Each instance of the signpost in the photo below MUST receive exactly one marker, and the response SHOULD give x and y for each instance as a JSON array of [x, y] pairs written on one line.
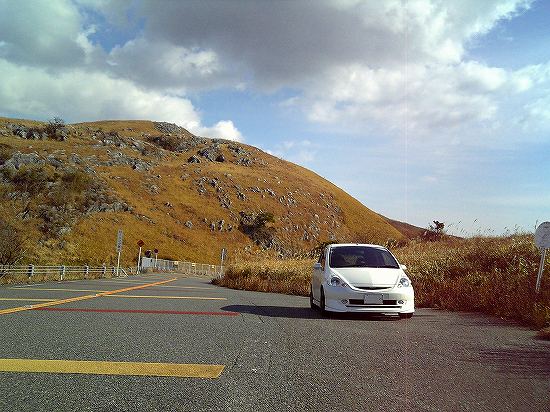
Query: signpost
[[542, 240], [140, 243], [120, 235], [223, 256], [156, 257]]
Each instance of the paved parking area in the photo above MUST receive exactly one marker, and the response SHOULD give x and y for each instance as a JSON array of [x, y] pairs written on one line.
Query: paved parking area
[[171, 343]]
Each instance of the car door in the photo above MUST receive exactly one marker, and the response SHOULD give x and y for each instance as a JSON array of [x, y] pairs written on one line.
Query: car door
[[318, 275]]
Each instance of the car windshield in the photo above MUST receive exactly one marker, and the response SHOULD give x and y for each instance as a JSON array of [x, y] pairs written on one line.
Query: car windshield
[[361, 256]]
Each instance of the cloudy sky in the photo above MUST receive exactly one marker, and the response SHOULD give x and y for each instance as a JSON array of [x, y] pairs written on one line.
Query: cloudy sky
[[421, 109]]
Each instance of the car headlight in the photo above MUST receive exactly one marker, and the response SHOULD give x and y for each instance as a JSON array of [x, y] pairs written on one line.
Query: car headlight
[[336, 281], [404, 283]]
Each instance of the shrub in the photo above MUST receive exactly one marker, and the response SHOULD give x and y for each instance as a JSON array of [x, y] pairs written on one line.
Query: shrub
[[76, 181], [32, 179], [11, 244], [255, 227], [167, 142], [6, 152], [53, 125]]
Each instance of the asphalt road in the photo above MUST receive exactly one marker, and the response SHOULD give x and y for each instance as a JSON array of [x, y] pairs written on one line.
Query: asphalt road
[[274, 353]]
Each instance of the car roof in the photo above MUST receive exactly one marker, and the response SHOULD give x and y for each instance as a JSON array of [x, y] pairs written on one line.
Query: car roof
[[356, 244]]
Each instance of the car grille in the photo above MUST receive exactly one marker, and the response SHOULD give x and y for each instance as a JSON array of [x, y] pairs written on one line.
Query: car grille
[[361, 302], [373, 287]]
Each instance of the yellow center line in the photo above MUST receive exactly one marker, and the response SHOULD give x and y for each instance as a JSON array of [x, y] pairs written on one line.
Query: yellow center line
[[164, 286], [78, 298], [187, 287], [62, 289], [29, 299], [165, 297], [122, 281], [181, 370]]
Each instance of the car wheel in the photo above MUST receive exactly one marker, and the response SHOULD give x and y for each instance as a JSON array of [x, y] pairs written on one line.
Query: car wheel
[[322, 303], [406, 315], [311, 303]]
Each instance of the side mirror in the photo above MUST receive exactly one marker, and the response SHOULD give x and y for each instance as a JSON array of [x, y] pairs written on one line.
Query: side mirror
[[404, 267], [316, 265]]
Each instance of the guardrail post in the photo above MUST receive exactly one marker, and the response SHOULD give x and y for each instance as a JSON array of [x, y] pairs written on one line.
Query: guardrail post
[[86, 271], [103, 270], [113, 272], [30, 271], [62, 272]]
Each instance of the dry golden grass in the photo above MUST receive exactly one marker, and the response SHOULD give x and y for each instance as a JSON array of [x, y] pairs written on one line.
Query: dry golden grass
[[491, 275], [291, 277]]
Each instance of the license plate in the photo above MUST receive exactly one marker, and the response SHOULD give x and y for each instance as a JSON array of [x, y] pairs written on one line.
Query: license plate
[[374, 299]]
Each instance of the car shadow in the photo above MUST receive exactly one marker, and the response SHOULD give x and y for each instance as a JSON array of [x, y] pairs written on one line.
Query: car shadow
[[303, 313]]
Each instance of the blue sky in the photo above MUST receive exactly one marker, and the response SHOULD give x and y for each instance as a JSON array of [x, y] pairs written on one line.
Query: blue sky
[[420, 109]]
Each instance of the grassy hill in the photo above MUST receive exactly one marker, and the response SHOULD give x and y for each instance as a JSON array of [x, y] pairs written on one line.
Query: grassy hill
[[68, 188]]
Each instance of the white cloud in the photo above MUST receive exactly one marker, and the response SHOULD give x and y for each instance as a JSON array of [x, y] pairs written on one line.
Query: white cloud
[[41, 33], [165, 66], [84, 95], [398, 67], [414, 98], [224, 129], [79, 95], [49, 66]]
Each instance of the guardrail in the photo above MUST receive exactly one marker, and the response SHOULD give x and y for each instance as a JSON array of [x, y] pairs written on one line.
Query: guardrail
[[159, 264], [200, 269], [61, 272], [188, 268]]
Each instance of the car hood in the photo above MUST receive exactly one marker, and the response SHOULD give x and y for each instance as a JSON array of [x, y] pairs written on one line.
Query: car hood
[[365, 277]]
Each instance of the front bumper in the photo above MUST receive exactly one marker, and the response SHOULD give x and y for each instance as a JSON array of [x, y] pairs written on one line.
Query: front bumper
[[350, 299]]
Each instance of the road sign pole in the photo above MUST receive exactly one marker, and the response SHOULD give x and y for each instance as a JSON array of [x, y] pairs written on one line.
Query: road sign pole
[[542, 240], [119, 238], [541, 269], [223, 255], [118, 263], [139, 261]]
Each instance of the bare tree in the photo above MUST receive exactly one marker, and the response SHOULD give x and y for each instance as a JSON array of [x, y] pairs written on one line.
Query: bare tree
[[11, 243]]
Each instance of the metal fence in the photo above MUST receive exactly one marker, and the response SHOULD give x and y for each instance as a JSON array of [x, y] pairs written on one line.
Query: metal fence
[[159, 264], [62, 272], [190, 268], [200, 269]]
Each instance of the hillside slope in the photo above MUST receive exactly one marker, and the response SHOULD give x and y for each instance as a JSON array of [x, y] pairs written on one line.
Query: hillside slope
[[68, 188]]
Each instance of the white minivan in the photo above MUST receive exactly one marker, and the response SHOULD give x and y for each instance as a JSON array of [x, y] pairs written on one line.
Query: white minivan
[[361, 278]]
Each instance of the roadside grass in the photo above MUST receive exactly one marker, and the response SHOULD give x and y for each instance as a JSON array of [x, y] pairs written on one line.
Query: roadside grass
[[493, 275], [544, 334], [290, 276]]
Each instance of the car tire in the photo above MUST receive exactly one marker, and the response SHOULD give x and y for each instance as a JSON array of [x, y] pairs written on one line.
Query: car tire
[[311, 302], [406, 315], [322, 305]]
